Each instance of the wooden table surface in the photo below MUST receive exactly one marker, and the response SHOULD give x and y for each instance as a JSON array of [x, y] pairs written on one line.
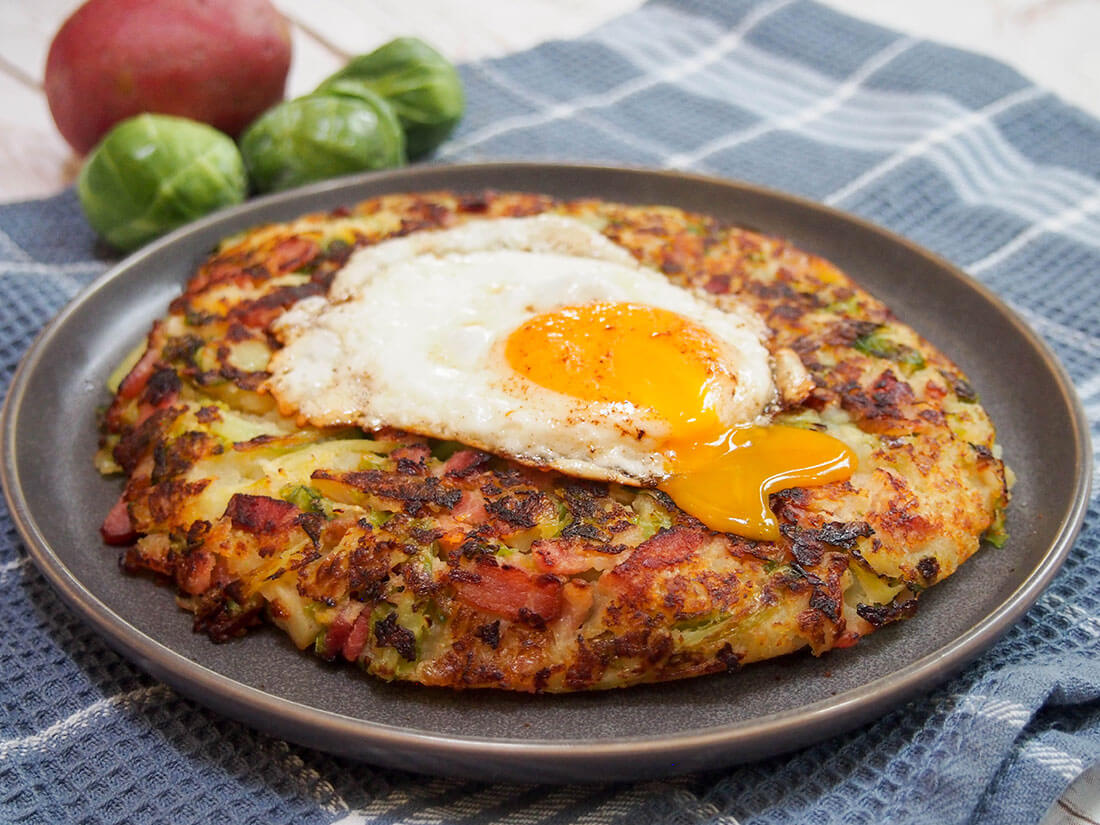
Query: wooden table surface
[[1053, 41]]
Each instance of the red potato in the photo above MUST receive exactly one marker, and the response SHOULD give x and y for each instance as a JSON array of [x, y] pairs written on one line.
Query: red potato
[[222, 62]]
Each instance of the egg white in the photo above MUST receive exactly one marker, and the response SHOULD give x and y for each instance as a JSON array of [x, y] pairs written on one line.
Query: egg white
[[412, 332]]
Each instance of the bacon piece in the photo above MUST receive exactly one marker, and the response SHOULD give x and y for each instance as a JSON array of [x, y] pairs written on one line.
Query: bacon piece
[[512, 593], [411, 459], [195, 572], [260, 312], [131, 387], [218, 272], [668, 547], [117, 528], [139, 375], [159, 394], [470, 509], [143, 414], [162, 388], [337, 635], [357, 637], [134, 449], [291, 254], [413, 452], [846, 639], [464, 463], [260, 514], [564, 556]]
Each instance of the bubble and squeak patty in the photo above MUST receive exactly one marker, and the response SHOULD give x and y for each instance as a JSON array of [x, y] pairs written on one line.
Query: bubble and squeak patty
[[499, 440]]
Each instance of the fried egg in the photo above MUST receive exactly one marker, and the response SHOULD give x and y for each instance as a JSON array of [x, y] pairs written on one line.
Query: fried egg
[[541, 340]]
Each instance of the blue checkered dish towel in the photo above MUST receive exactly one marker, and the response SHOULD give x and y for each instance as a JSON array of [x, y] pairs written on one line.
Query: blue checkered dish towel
[[953, 150]]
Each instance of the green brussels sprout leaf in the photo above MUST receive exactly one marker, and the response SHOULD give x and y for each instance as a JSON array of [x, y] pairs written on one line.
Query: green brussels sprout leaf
[[879, 345], [421, 84], [153, 173], [316, 137]]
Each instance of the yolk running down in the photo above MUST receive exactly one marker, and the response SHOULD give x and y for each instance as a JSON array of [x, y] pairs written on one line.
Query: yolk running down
[[656, 359]]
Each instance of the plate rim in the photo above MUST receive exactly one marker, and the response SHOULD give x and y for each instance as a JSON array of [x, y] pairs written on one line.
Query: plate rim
[[813, 721]]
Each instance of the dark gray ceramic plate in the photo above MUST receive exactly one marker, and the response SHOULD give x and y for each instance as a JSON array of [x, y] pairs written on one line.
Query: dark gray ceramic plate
[[49, 436]]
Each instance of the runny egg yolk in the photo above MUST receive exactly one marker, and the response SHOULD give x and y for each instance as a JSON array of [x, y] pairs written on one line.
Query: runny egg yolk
[[656, 359]]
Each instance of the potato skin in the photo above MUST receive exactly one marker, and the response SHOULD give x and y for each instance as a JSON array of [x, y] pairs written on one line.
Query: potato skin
[[222, 62]]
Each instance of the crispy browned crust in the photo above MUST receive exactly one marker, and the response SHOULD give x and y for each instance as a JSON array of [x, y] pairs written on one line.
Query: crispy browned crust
[[443, 565]]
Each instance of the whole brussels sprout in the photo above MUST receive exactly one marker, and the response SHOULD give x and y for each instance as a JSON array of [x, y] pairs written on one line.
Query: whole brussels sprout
[[316, 137], [420, 83], [152, 173]]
